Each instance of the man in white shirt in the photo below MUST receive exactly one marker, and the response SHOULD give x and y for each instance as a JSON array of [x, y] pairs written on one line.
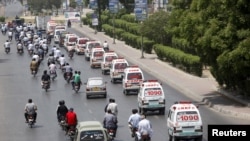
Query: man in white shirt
[[36, 57], [62, 60], [145, 127], [113, 107], [57, 53], [52, 69]]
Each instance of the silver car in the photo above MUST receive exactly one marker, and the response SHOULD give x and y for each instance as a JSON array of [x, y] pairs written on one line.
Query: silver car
[[96, 86]]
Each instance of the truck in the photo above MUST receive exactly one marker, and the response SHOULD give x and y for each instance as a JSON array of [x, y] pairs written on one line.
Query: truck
[[41, 23]]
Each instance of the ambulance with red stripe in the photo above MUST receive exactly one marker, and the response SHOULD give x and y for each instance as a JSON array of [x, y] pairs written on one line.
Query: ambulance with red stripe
[[106, 61], [132, 78], [151, 97], [117, 69], [96, 57], [184, 122]]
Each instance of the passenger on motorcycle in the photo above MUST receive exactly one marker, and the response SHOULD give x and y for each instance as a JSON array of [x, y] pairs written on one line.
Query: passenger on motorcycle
[[33, 65], [76, 80], [36, 57], [50, 59], [61, 111], [110, 121], [7, 44], [71, 119], [68, 70], [52, 69], [145, 128], [45, 78], [133, 121], [30, 108]]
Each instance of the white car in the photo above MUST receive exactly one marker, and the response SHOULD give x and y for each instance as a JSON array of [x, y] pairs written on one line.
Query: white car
[[106, 61], [96, 57], [81, 45], [89, 46]]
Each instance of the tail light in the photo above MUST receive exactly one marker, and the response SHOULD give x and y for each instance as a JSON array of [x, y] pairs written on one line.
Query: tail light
[[162, 101], [144, 101], [200, 129], [87, 89]]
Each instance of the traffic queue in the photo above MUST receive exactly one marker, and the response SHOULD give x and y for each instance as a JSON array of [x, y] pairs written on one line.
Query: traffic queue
[[183, 119]]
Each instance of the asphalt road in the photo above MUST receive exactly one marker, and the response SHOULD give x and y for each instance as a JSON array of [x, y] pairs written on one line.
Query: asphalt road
[[17, 85]]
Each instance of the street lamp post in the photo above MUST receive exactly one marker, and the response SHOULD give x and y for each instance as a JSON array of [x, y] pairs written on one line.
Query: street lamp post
[[142, 50], [113, 20]]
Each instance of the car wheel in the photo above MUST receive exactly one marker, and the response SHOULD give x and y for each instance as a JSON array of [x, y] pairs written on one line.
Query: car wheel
[[105, 95], [199, 138], [87, 96], [162, 111]]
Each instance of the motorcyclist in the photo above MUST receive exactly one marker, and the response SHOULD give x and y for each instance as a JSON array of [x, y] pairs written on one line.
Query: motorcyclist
[[7, 45], [50, 59], [62, 61], [77, 80], [33, 66], [10, 35], [133, 121], [53, 49], [69, 23], [71, 119], [68, 70], [61, 111], [106, 46], [57, 53], [36, 57], [110, 121], [4, 29], [52, 69], [30, 47], [41, 53], [145, 128], [45, 47], [30, 108], [19, 46], [45, 78], [113, 107]]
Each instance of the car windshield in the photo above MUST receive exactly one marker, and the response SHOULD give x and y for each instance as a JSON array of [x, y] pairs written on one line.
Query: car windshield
[[93, 135], [98, 53], [120, 65], [136, 75], [110, 58], [91, 45], [187, 116], [95, 82], [82, 41], [72, 39]]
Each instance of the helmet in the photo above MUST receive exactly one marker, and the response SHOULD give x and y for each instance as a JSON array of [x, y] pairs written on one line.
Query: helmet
[[61, 102]]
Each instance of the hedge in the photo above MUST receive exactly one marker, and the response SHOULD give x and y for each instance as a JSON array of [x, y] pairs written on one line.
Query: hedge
[[191, 63]]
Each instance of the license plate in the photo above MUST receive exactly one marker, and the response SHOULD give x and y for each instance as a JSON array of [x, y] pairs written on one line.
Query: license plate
[[153, 103], [96, 89]]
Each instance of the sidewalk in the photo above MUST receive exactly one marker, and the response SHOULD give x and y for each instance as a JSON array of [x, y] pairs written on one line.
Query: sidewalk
[[204, 90]]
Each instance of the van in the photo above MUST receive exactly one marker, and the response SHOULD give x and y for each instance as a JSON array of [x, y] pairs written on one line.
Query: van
[[96, 57], [151, 97], [51, 27], [117, 69], [81, 45], [89, 46], [57, 34], [184, 122], [132, 78], [106, 61], [70, 42]]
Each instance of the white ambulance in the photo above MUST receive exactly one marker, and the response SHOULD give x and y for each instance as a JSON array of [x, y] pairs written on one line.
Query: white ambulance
[[106, 61], [132, 78], [117, 69], [151, 97], [184, 122], [96, 57]]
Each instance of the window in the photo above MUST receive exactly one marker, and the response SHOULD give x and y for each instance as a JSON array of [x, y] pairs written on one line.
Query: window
[[120, 65], [95, 82], [187, 116], [72, 39], [132, 76], [82, 41], [110, 58], [92, 135], [98, 53]]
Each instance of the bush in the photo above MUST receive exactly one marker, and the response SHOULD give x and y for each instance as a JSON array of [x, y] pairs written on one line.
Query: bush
[[2, 19]]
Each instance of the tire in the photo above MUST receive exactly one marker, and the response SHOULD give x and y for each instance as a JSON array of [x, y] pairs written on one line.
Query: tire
[[162, 111], [170, 138], [199, 138], [105, 95], [87, 96]]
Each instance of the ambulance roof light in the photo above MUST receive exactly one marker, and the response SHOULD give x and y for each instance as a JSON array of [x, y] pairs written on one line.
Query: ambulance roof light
[[183, 102]]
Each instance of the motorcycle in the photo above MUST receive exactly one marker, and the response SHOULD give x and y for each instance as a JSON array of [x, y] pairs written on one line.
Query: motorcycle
[[63, 123], [111, 133], [144, 137], [53, 75], [20, 50], [7, 50], [46, 85], [31, 52], [71, 132], [71, 54], [34, 72], [76, 87], [68, 77], [133, 130], [31, 120]]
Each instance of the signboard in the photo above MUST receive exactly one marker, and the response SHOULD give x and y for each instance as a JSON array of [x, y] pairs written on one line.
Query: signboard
[[113, 6], [79, 2], [72, 16], [141, 10], [94, 19], [93, 4]]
